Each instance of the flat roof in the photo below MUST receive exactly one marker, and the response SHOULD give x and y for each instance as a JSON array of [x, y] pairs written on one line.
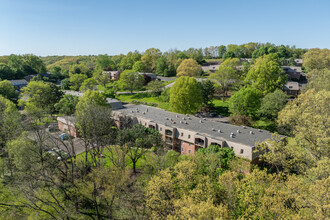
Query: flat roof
[[193, 124]]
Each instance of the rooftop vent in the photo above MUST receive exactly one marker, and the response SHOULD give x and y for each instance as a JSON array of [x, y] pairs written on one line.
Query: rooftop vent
[[219, 131], [251, 132], [183, 118], [189, 118], [259, 130], [238, 131], [177, 116], [171, 119], [180, 122], [186, 123], [132, 111], [244, 127], [166, 118], [204, 119], [144, 113], [232, 135], [147, 110], [200, 121], [213, 129]]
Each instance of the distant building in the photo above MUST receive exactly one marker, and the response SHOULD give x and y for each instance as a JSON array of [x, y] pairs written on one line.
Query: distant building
[[18, 84], [67, 124], [210, 68], [294, 73]]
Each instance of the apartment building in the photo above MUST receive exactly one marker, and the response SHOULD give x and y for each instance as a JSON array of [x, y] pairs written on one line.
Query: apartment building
[[187, 133]]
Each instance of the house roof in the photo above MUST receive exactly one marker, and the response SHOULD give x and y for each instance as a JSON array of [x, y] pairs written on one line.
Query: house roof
[[210, 67], [207, 128], [291, 86], [18, 82]]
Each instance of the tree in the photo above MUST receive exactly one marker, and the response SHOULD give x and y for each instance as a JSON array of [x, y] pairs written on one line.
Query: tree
[[316, 59], [39, 97], [225, 78], [138, 66], [273, 103], [266, 74], [222, 50], [9, 121], [319, 79], [131, 80], [186, 95], [95, 124], [76, 81], [138, 140], [103, 62], [8, 91], [189, 67], [101, 77], [67, 105], [65, 84], [307, 118], [161, 66], [245, 102], [6, 72], [231, 62], [149, 59], [88, 84], [155, 87], [208, 91]]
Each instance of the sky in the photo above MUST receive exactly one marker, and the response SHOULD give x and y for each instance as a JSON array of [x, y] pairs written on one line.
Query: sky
[[91, 27]]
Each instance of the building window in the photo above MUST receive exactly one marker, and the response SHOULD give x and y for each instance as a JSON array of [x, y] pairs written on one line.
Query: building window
[[145, 124], [232, 147], [181, 134], [189, 144], [182, 142], [189, 151], [160, 129], [189, 136], [182, 149], [242, 151]]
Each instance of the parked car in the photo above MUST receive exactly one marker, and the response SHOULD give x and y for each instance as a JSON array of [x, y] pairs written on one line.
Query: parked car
[[65, 136]]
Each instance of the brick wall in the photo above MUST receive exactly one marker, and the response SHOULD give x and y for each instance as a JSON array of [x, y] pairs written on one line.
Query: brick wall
[[188, 148]]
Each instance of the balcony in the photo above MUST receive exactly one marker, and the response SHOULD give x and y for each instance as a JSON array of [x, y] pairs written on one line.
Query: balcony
[[168, 133], [168, 140]]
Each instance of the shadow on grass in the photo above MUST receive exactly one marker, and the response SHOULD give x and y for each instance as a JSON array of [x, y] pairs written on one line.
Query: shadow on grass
[[222, 110]]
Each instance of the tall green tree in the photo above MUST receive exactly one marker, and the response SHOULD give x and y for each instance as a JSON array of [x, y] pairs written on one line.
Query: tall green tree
[[131, 80], [208, 91], [189, 67], [67, 104], [88, 84], [245, 102], [316, 59], [39, 97], [186, 95], [7, 90], [272, 104], [76, 80], [149, 59], [266, 74]]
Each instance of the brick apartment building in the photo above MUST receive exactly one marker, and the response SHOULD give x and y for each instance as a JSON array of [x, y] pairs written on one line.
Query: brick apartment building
[[186, 134]]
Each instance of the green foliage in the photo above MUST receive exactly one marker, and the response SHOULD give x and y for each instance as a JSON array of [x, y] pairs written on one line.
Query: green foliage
[[185, 95], [245, 102], [67, 105], [266, 74], [65, 84], [155, 87], [317, 59], [208, 91], [88, 84], [149, 59], [76, 81], [319, 79], [131, 80], [9, 121], [138, 66], [39, 97], [7, 90], [273, 103], [189, 67]]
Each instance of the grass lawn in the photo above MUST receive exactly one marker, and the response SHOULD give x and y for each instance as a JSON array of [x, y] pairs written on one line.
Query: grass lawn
[[221, 107], [143, 97]]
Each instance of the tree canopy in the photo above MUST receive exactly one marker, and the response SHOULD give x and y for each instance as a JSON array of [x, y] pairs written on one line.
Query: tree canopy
[[189, 67], [185, 95]]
